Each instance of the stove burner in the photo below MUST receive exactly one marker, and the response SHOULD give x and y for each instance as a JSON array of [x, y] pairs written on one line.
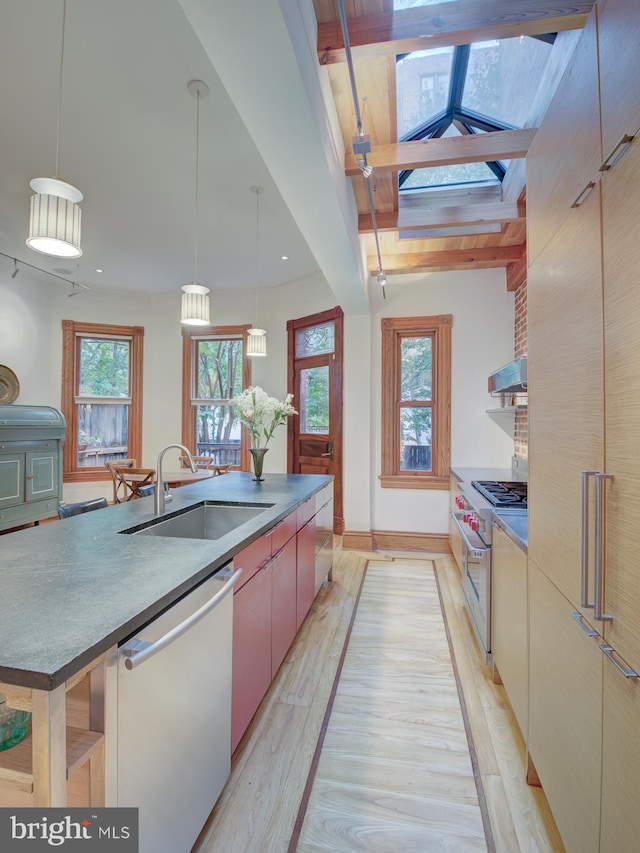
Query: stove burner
[[502, 494]]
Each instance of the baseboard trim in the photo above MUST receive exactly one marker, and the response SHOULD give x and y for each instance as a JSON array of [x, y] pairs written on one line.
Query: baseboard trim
[[363, 540], [356, 540], [399, 540]]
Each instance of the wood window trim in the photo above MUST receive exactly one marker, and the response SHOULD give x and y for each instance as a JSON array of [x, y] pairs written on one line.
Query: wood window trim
[[70, 330], [189, 411], [392, 328]]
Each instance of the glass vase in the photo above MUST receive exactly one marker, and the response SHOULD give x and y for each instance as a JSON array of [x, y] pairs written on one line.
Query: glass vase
[[258, 461]]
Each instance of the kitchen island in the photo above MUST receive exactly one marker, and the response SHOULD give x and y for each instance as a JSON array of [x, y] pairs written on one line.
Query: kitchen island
[[74, 590]]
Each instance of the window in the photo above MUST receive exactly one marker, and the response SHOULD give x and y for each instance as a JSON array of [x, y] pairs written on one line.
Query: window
[[416, 402], [215, 370], [101, 397]]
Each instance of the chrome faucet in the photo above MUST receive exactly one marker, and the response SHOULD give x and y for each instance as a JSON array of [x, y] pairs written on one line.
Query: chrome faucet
[[159, 496]]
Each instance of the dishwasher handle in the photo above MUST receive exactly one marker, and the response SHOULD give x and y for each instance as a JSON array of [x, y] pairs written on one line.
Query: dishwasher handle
[[138, 651]]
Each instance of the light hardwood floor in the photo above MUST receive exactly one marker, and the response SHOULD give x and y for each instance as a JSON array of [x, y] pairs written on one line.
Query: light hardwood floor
[[258, 811]]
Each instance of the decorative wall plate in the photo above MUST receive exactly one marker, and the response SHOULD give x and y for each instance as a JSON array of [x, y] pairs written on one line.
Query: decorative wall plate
[[9, 385]]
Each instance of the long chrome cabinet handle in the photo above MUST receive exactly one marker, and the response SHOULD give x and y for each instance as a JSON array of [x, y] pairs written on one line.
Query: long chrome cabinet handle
[[589, 631], [584, 557], [624, 142], [583, 194], [137, 652], [598, 568], [609, 653]]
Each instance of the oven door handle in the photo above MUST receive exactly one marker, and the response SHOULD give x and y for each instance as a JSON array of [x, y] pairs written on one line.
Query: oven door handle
[[470, 547]]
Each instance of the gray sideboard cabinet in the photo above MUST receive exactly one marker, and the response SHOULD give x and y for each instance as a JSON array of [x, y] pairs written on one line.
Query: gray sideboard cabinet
[[31, 439]]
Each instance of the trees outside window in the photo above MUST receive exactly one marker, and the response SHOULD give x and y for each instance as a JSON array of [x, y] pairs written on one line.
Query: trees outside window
[[416, 395], [101, 397], [215, 369]]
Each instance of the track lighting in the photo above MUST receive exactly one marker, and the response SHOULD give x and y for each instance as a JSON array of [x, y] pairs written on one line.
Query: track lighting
[[16, 269], [381, 279], [365, 168]]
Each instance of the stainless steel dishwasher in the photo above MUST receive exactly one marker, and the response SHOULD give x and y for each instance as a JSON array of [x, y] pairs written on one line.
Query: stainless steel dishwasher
[[174, 716]]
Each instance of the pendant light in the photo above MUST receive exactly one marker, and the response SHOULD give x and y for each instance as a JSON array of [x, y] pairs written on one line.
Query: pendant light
[[195, 296], [257, 341], [54, 219]]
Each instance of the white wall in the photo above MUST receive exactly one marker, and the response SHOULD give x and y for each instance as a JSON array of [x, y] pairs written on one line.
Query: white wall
[[482, 340]]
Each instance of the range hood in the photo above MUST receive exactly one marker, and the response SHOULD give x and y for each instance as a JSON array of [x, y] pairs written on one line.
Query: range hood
[[510, 379]]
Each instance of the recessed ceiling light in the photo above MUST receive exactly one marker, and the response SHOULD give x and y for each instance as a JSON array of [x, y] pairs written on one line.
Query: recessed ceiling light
[[99, 270], [284, 257]]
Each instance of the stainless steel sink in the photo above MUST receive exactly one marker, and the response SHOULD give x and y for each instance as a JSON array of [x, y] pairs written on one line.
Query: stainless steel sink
[[205, 521]]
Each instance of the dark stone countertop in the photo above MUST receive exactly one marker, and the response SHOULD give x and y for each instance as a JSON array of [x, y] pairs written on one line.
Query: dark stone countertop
[[74, 588]]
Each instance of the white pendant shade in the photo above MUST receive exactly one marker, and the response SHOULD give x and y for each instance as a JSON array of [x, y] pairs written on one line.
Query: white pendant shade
[[55, 218], [195, 305], [256, 342]]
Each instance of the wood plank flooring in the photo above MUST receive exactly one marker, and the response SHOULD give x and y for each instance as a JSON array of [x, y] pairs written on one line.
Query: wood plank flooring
[[257, 810], [395, 771]]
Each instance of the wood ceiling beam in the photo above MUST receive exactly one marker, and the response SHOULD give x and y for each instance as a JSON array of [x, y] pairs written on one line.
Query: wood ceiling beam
[[414, 219], [445, 151], [444, 24], [412, 262]]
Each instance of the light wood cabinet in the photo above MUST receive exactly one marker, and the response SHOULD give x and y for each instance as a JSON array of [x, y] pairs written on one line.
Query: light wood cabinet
[[584, 364], [565, 154], [565, 718], [455, 540], [510, 623], [566, 415]]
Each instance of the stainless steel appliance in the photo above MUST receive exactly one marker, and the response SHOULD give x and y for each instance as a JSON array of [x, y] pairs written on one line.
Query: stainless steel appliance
[[472, 520], [174, 715]]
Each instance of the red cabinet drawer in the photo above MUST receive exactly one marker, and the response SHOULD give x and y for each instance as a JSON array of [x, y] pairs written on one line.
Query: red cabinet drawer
[[251, 558], [283, 531], [306, 511]]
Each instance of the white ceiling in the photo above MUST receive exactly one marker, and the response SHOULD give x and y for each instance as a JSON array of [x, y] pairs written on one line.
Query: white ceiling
[[127, 141]]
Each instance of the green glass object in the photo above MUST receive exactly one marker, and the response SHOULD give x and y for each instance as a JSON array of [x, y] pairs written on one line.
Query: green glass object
[[14, 725], [258, 461]]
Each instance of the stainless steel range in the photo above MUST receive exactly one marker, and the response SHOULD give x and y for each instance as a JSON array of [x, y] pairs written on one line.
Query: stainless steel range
[[476, 503]]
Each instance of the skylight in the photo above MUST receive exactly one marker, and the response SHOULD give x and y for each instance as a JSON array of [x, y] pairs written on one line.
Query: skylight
[[477, 88]]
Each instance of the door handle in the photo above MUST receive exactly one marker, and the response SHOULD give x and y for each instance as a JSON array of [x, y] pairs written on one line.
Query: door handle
[[598, 568], [329, 449], [584, 586], [138, 651]]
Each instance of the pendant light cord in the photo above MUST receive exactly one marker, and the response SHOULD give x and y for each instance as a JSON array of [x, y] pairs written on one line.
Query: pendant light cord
[[195, 235], [257, 250], [64, 22]]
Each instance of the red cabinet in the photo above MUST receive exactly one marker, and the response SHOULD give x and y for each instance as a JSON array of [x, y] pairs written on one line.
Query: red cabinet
[[271, 600], [305, 570], [251, 668], [283, 603]]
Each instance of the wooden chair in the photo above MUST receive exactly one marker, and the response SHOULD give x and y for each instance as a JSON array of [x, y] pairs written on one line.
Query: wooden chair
[[223, 469], [129, 480], [119, 463], [202, 462]]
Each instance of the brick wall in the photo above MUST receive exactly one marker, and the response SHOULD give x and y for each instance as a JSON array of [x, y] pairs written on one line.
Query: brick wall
[[521, 433]]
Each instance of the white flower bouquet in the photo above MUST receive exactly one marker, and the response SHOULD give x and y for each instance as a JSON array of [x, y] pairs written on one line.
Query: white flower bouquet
[[261, 414]]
